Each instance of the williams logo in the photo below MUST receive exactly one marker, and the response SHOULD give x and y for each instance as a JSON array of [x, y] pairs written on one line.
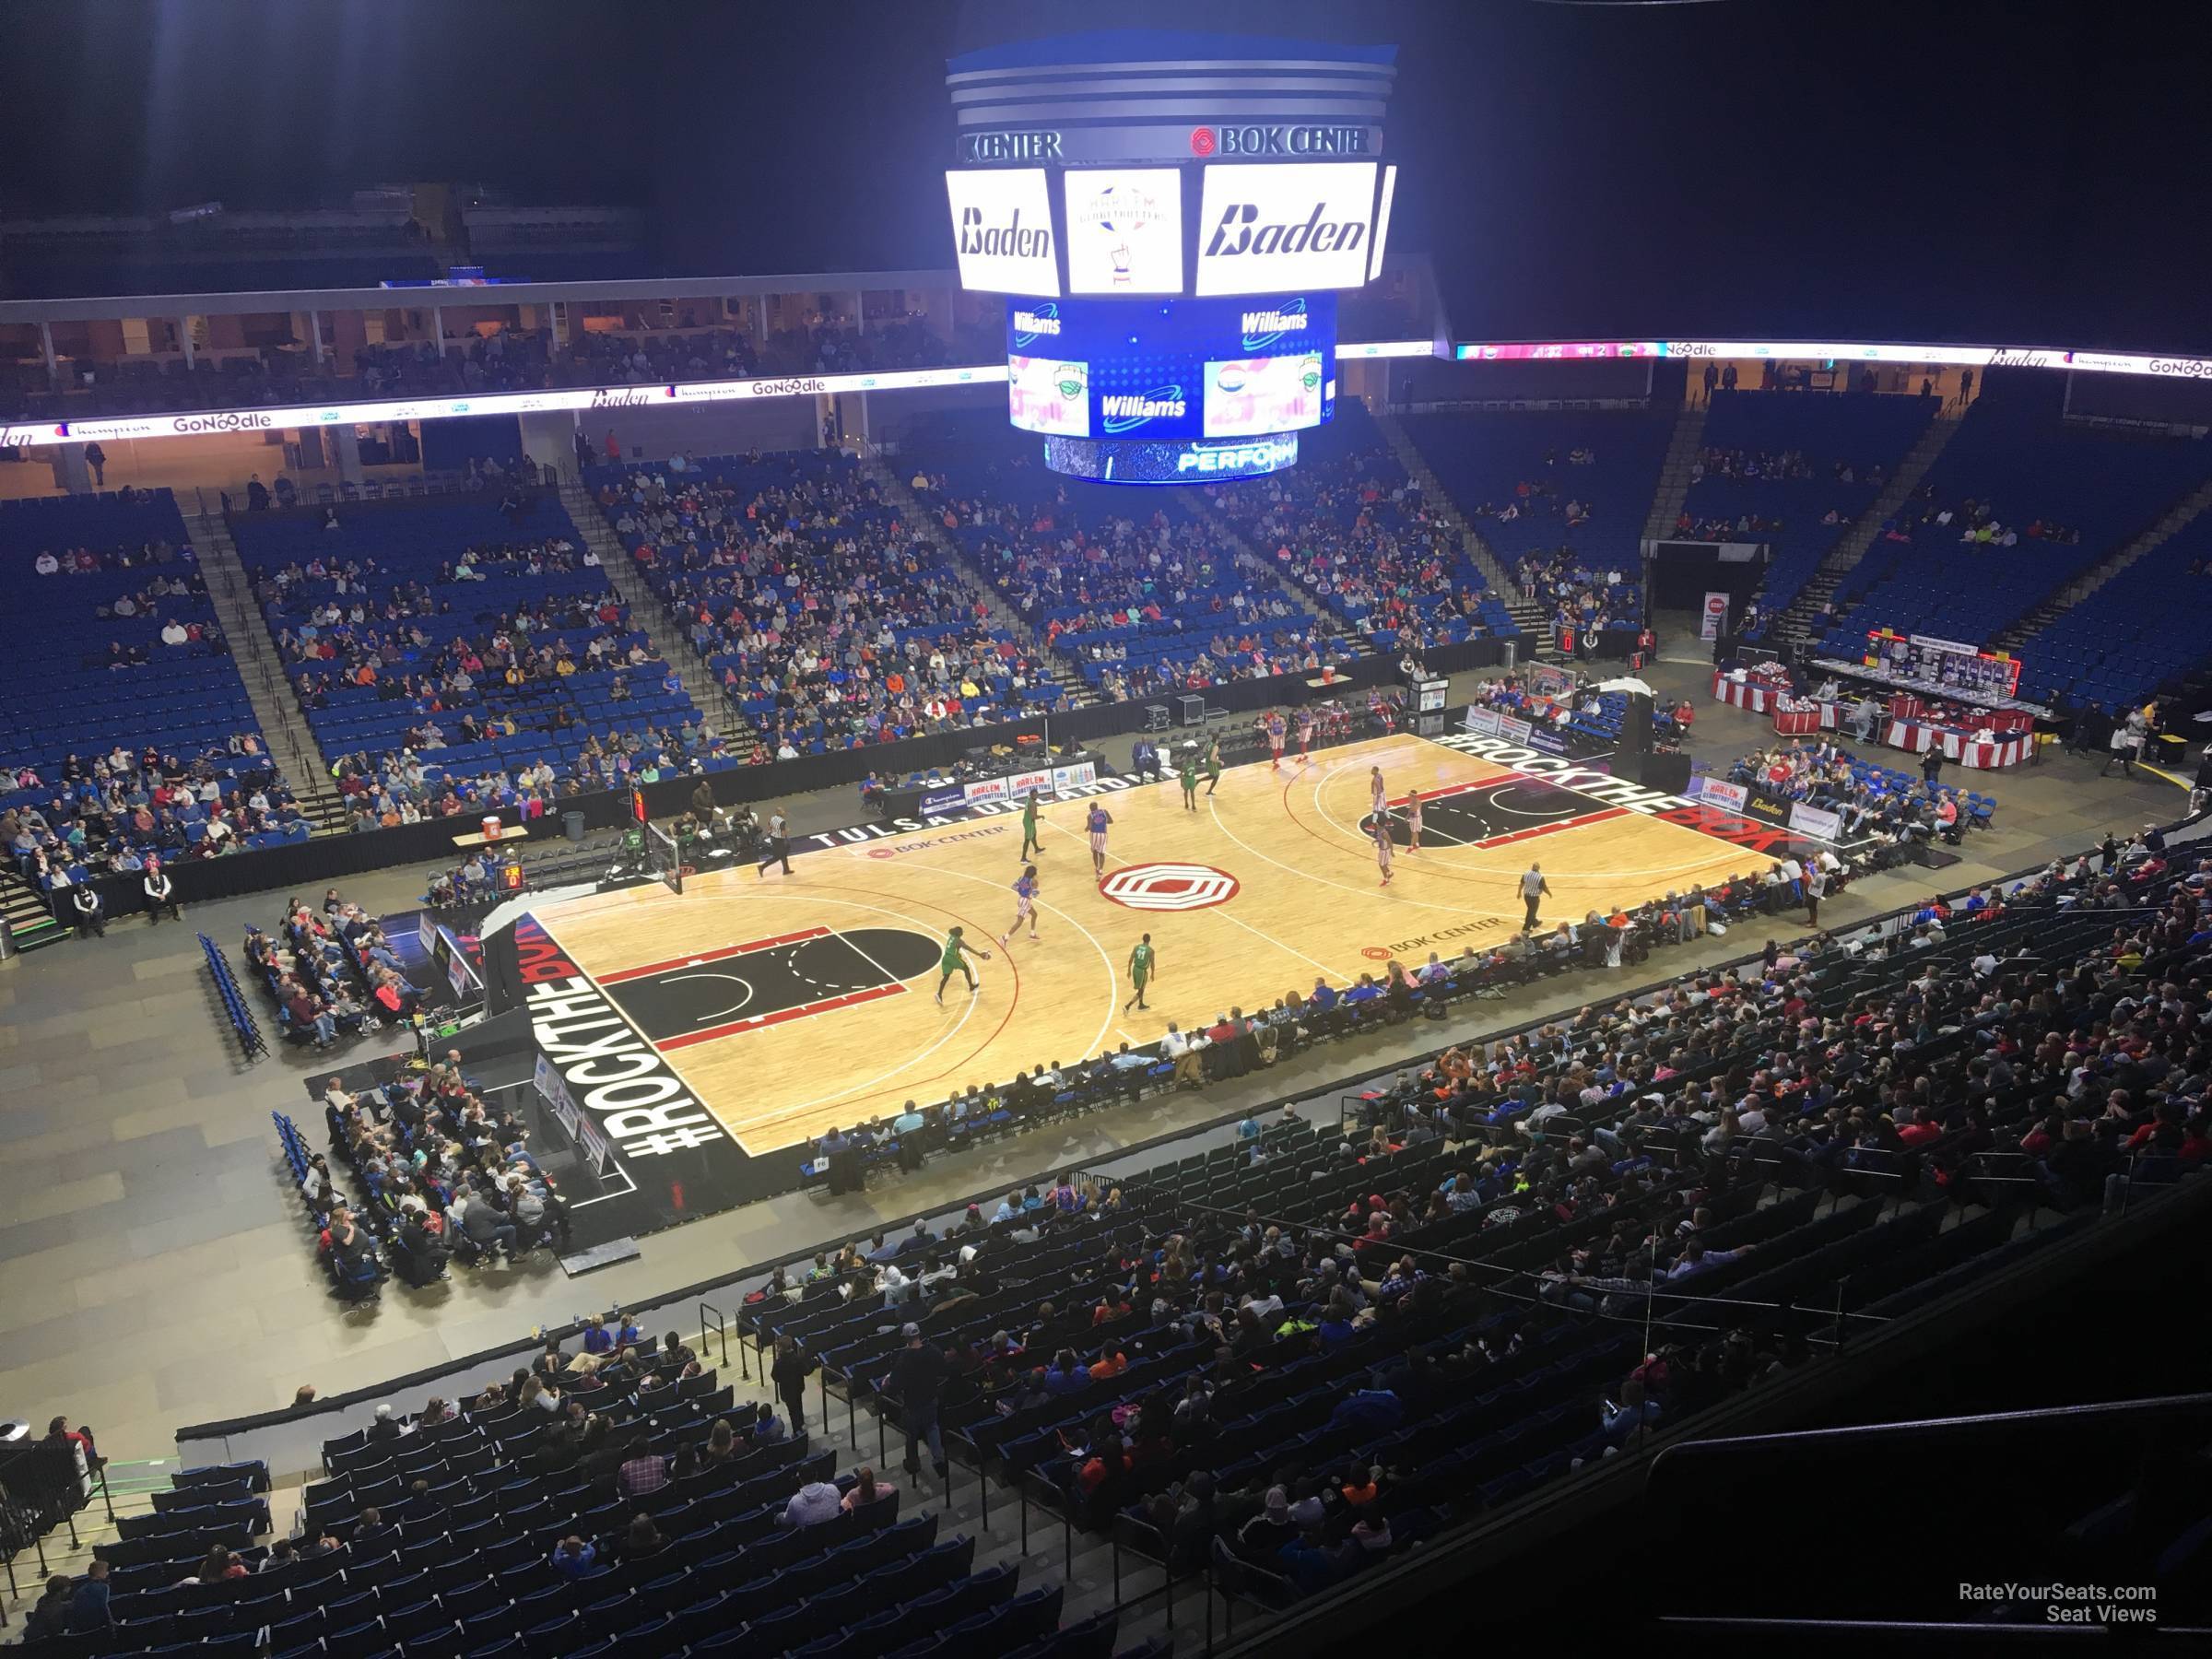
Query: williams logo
[[1009, 241], [1029, 326], [1123, 413], [1263, 328]]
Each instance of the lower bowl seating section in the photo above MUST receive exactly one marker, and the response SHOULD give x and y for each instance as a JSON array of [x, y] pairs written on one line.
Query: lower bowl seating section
[[659, 1519], [124, 716], [1125, 584], [2149, 624], [1515, 477], [461, 655], [1774, 470], [828, 621], [1351, 529], [2019, 503], [1871, 798], [1525, 1256]]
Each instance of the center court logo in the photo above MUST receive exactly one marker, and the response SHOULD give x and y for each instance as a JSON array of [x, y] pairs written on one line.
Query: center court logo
[[1169, 887]]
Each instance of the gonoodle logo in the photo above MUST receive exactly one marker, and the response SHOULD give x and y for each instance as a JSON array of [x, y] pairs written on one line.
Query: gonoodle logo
[[1126, 412], [1263, 328], [1031, 325], [220, 423]]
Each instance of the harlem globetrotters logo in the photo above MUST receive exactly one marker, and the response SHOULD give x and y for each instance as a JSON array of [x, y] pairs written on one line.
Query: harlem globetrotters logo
[[1127, 212]]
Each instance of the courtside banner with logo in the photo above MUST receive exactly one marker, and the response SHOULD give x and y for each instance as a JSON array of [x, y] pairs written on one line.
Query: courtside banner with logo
[[1816, 821], [1720, 792], [1714, 618], [1002, 231], [1513, 727], [1265, 228], [1125, 231], [1484, 721]]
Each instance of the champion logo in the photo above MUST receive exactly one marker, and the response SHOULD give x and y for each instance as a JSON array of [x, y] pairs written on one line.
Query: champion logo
[[1169, 887]]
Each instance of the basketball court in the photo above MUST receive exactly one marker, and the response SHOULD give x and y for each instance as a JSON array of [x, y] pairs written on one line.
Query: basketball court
[[788, 1003]]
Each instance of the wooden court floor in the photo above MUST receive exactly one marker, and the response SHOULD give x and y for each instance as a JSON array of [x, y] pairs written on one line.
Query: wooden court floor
[[793, 1002]]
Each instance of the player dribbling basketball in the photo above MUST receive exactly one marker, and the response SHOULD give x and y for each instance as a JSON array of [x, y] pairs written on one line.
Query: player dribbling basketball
[[955, 960]]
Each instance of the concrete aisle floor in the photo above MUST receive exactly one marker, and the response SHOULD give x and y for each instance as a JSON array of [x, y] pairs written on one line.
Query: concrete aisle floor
[[157, 1271]]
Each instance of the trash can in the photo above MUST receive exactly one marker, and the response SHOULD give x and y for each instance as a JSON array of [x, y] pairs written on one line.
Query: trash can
[[571, 825], [1512, 654]]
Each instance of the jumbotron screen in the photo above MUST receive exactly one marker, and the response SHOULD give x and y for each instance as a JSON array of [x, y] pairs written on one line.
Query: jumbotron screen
[[1171, 368]]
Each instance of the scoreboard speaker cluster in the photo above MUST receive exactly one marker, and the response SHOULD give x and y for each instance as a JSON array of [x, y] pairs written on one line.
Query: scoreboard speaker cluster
[[1170, 218]]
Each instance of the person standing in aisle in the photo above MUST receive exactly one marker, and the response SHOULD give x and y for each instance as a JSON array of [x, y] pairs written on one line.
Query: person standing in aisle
[[788, 1374]]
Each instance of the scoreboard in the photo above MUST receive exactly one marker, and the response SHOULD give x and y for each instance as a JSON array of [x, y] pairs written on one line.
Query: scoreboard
[[1170, 267]]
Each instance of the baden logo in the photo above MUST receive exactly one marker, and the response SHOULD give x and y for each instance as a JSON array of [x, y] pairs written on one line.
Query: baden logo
[[1124, 413], [1029, 325], [1240, 234], [1009, 241], [220, 423], [629, 397], [1263, 328]]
